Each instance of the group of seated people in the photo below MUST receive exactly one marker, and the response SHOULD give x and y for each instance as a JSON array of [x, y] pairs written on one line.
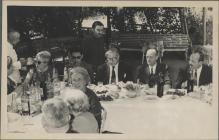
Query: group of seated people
[[114, 70], [82, 100], [78, 109], [69, 113]]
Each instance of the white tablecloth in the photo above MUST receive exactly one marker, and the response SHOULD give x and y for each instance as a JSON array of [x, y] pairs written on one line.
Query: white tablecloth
[[183, 117], [186, 117]]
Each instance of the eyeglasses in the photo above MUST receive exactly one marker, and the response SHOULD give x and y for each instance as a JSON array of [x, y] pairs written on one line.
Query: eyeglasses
[[112, 59], [76, 57], [39, 62]]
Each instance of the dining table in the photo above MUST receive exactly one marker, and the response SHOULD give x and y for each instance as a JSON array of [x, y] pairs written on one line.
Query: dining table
[[170, 116], [161, 118]]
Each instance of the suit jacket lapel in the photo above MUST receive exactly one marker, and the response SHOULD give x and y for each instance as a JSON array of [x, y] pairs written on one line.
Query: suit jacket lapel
[[201, 76], [120, 70], [107, 70], [147, 71], [157, 69]]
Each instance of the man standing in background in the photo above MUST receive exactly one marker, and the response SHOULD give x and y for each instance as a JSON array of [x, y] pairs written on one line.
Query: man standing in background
[[94, 45]]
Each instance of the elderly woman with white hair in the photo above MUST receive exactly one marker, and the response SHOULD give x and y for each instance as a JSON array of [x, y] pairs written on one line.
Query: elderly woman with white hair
[[43, 74], [82, 121], [79, 78], [56, 116]]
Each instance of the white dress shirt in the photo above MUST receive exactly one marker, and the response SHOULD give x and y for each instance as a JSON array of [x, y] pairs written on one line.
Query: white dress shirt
[[12, 53], [15, 75], [153, 67], [198, 74], [116, 72]]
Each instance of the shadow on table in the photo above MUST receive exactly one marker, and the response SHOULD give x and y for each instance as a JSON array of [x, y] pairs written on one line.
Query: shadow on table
[[110, 132]]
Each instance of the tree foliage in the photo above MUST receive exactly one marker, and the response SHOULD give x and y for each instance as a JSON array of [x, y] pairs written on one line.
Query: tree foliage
[[50, 22]]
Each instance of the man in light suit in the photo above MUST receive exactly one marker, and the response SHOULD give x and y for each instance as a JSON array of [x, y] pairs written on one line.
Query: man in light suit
[[201, 73], [113, 71], [13, 39], [149, 72]]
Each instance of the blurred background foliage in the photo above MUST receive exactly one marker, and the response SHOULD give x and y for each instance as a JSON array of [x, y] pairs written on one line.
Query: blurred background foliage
[[53, 22]]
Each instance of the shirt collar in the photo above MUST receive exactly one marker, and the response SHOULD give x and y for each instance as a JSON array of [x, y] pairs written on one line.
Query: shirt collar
[[199, 69], [154, 66], [116, 66]]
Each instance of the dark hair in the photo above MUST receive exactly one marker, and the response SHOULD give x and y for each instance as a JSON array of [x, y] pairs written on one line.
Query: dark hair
[[75, 49], [200, 52], [97, 23], [152, 46]]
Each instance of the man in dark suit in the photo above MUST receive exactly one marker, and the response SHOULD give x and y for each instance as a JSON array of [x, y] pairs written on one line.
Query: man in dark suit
[[200, 73], [76, 56], [94, 45], [150, 72], [113, 71]]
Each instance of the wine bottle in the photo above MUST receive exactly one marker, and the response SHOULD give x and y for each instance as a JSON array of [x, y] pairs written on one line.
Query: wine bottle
[[190, 84], [49, 87], [160, 85], [25, 102]]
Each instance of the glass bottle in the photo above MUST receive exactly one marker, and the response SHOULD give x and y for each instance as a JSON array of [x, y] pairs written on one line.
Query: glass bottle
[[160, 85], [49, 87], [25, 102], [190, 85]]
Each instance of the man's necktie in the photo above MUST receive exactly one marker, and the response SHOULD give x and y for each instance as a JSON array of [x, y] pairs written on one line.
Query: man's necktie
[[151, 79], [195, 78], [152, 71], [113, 78]]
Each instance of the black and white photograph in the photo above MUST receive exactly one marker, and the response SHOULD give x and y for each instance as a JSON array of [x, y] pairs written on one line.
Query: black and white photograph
[[118, 70]]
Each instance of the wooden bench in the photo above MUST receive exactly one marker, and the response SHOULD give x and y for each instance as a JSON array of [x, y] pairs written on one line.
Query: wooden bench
[[166, 42]]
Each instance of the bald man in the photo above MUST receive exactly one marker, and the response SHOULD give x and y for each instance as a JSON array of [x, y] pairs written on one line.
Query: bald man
[[13, 39], [148, 72]]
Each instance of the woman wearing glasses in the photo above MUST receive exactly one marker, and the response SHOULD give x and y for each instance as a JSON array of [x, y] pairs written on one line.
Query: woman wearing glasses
[[42, 74]]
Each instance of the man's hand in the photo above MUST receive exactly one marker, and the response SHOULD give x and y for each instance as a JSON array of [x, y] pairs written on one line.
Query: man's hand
[[19, 90], [184, 84], [23, 62], [166, 87], [9, 61]]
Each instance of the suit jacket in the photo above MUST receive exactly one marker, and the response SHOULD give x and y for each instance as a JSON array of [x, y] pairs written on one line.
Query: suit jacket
[[95, 106], [124, 73], [204, 79], [143, 73], [93, 50]]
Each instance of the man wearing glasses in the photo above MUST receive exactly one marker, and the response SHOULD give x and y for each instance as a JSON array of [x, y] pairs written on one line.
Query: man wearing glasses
[[76, 56], [113, 71]]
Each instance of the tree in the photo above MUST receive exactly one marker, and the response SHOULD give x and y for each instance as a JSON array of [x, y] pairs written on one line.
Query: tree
[[44, 22], [195, 25]]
